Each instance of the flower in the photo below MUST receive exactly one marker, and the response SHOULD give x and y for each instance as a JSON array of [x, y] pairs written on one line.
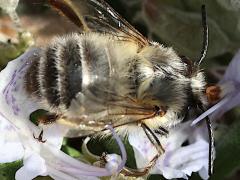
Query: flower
[[17, 141], [179, 160], [230, 91]]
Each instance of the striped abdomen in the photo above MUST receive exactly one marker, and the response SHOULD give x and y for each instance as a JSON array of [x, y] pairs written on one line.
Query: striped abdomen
[[73, 64], [56, 77]]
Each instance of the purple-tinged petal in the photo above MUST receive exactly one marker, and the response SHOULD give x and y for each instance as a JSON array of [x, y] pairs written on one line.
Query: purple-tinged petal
[[203, 173], [70, 166], [113, 162], [230, 87], [187, 154], [9, 142], [144, 151], [234, 101], [232, 73], [211, 110], [15, 103], [177, 136], [168, 172], [121, 146], [183, 161], [59, 175]]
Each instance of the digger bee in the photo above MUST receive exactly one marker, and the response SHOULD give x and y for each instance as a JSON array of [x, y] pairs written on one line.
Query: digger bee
[[108, 73]]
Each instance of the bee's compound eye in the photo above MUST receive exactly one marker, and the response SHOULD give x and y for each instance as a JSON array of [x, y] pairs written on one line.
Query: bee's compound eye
[[160, 110], [189, 64]]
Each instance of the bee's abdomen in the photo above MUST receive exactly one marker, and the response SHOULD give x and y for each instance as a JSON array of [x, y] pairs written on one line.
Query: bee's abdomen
[[56, 77]]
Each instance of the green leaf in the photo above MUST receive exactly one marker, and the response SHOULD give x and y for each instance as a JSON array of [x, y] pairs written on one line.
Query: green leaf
[[155, 177], [71, 151], [43, 178], [8, 170], [74, 153], [180, 26]]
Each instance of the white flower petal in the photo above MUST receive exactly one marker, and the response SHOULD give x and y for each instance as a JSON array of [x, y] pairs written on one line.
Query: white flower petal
[[177, 136], [144, 151], [53, 134], [34, 165], [11, 151], [203, 173]]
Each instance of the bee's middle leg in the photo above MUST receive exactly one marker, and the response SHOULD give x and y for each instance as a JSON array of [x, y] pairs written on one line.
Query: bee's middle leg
[[156, 143]]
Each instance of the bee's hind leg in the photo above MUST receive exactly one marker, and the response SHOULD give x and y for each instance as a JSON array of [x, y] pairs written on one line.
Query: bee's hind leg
[[155, 141], [40, 137], [42, 117]]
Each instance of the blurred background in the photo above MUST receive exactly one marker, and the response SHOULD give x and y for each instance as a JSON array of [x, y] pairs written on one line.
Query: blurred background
[[172, 23]]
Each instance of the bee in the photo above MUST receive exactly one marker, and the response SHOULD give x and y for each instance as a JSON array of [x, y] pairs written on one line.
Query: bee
[[109, 73]]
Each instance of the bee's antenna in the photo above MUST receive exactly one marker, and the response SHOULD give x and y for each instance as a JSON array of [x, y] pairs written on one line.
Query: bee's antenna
[[205, 36]]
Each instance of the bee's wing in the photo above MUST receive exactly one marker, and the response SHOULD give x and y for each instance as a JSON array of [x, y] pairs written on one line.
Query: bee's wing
[[77, 130], [118, 113], [98, 16]]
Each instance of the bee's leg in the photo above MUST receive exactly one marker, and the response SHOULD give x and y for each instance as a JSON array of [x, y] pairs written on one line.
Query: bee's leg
[[140, 172], [153, 138], [155, 141], [162, 131], [40, 137], [47, 118]]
